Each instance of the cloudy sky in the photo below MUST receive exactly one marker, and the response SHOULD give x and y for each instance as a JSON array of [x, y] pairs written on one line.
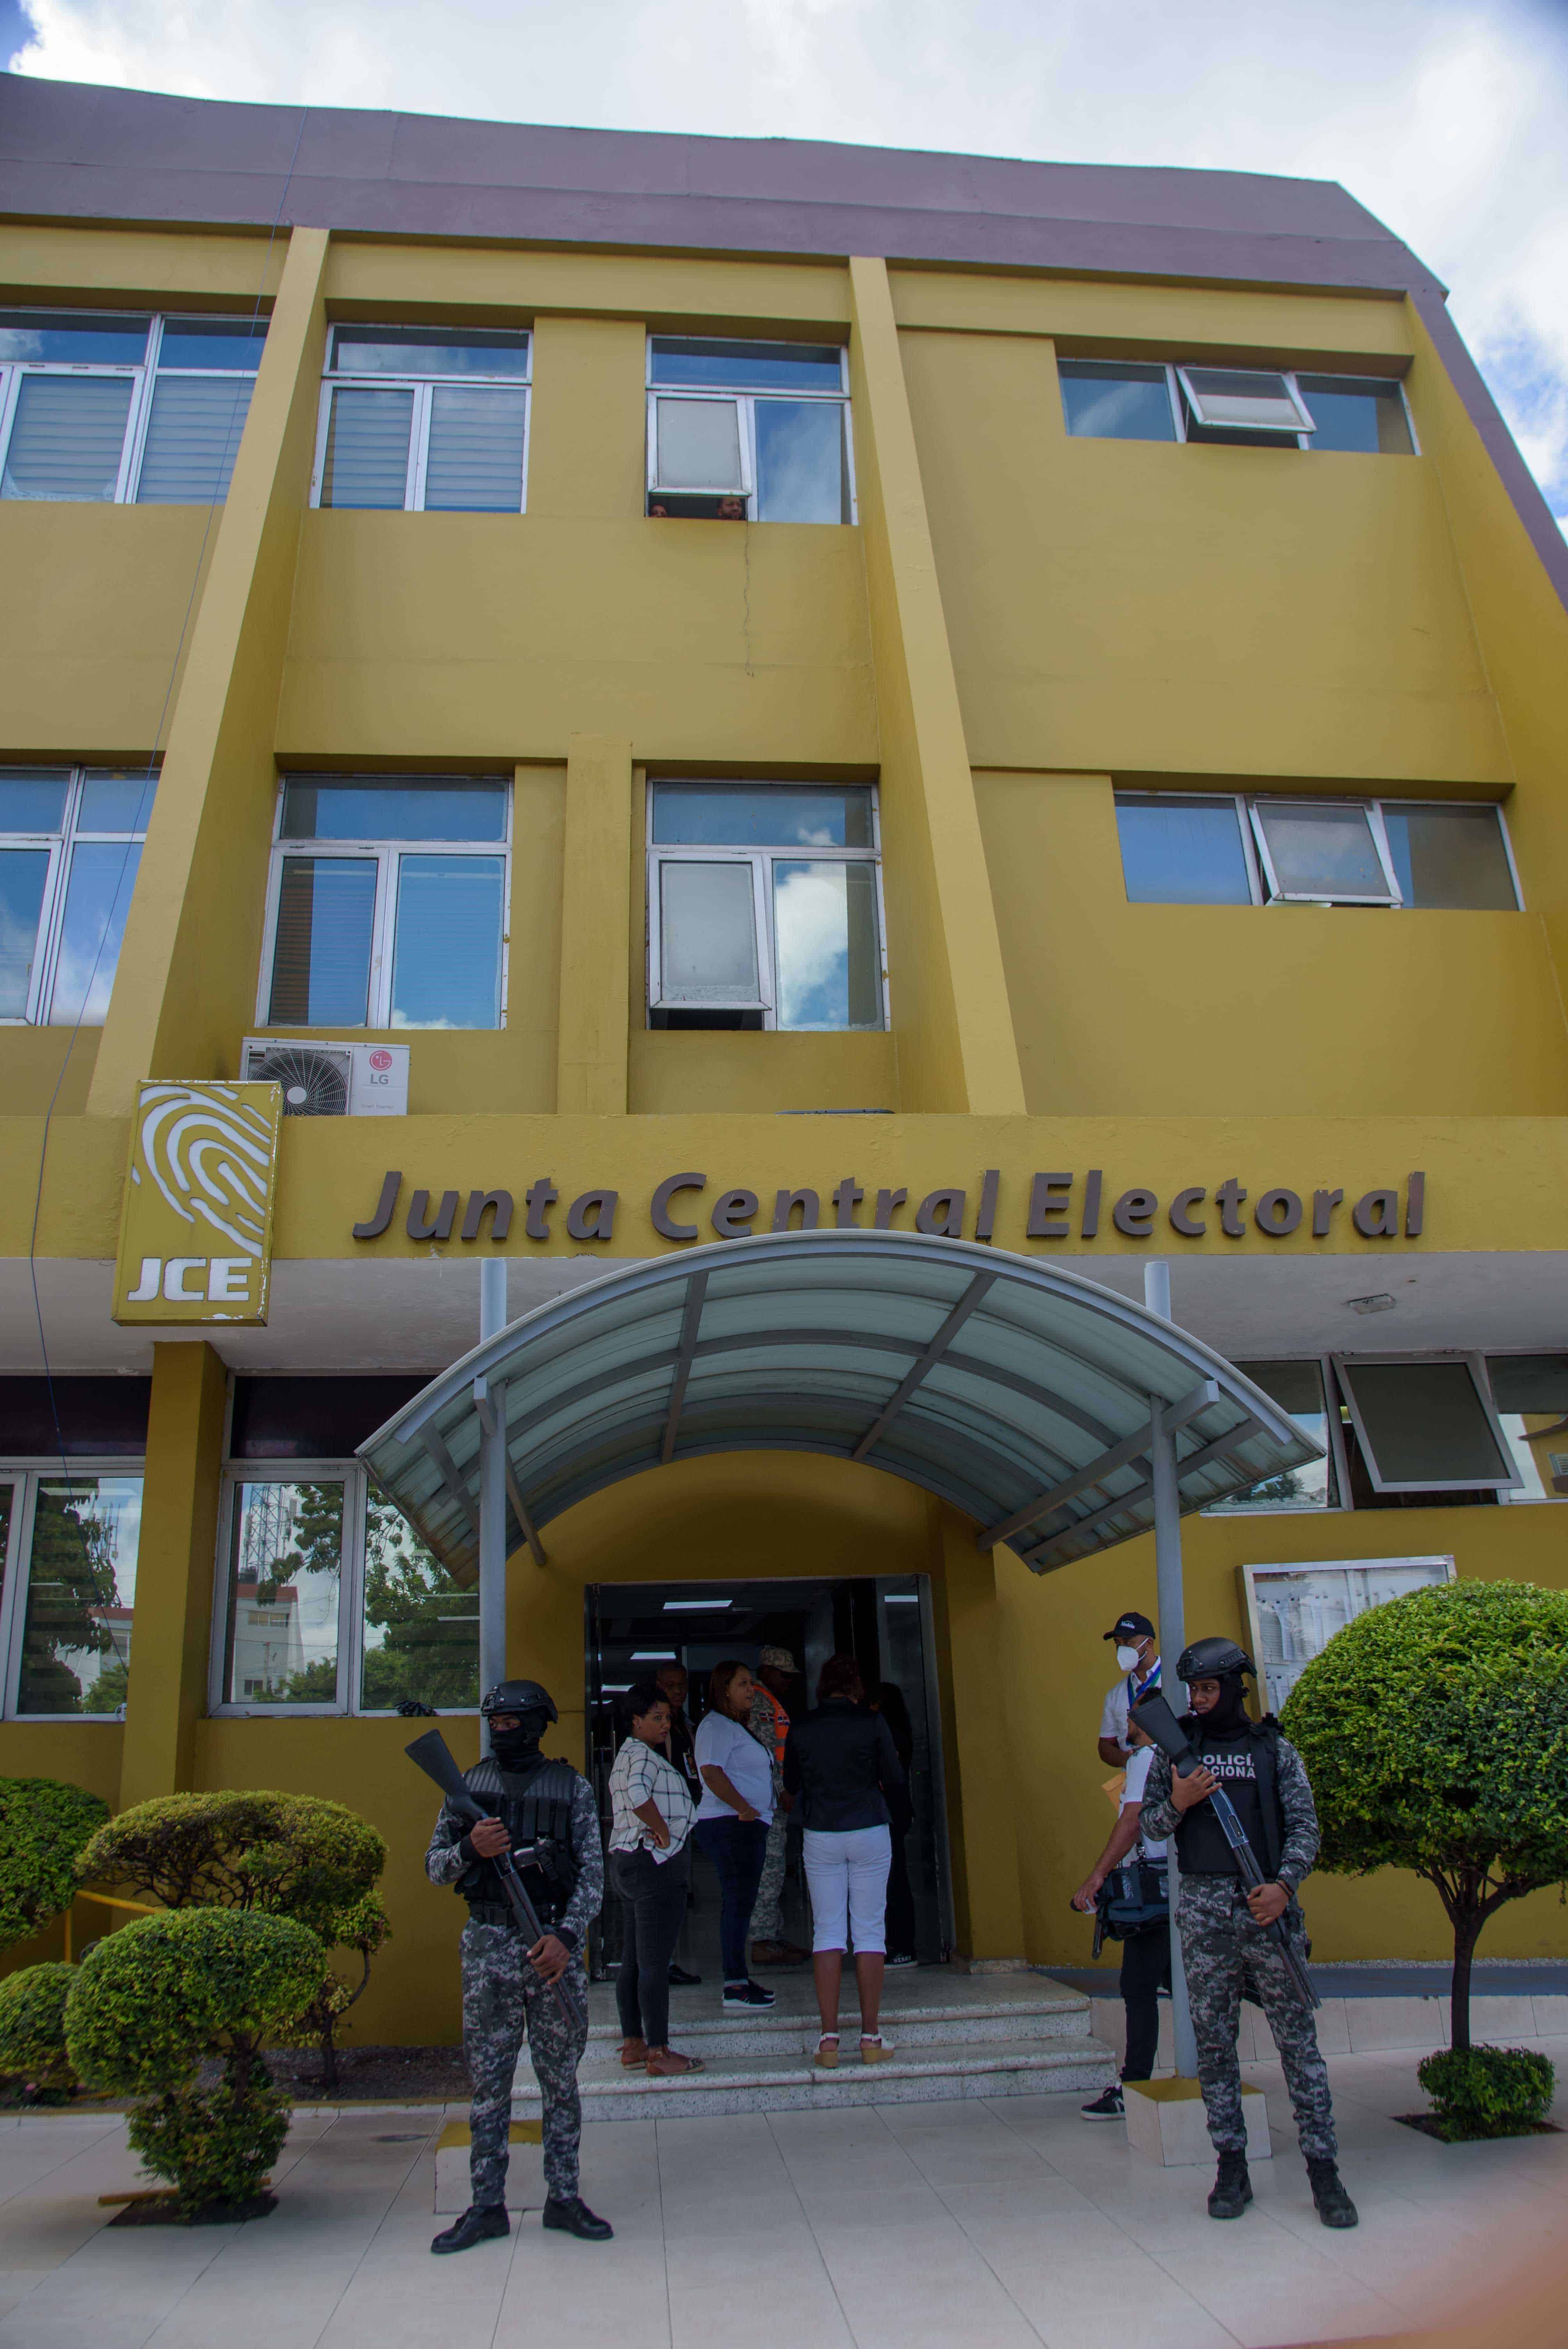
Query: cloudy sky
[[1448, 117]]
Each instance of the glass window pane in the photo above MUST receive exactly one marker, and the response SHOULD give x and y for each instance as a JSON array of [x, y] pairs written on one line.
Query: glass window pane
[[321, 960], [97, 900], [366, 462], [284, 1559], [708, 934], [1241, 395], [66, 440], [1183, 852], [421, 1627], [1425, 1425], [698, 444], [1322, 851], [32, 801], [56, 337], [428, 350], [381, 807], [1103, 402], [825, 923], [746, 366], [116, 801], [475, 460], [800, 471], [229, 343], [1450, 856], [1530, 1393], [24, 872], [773, 815], [1296, 1387], [1352, 414], [446, 963], [81, 1592], [192, 438]]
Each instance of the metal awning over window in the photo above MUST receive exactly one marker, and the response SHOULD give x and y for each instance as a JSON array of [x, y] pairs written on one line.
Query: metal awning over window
[[1020, 1392]]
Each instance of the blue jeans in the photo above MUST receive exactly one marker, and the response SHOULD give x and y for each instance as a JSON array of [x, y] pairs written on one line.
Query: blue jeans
[[736, 1848]]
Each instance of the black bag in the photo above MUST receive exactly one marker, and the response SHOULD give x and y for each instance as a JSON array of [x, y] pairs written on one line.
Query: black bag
[[1131, 1898]]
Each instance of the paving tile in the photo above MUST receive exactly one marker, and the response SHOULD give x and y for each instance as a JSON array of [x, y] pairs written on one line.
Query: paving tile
[[810, 2314]]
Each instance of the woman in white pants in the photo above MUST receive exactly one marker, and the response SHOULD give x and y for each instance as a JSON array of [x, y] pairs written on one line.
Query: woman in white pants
[[840, 1765]]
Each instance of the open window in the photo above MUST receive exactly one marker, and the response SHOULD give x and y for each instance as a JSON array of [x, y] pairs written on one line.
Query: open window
[[1253, 400], [1257, 407], [742, 431], [1325, 852], [1530, 1396], [1427, 1427]]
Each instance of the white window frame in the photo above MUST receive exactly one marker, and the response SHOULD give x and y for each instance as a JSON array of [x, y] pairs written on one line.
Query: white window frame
[[423, 386], [1260, 874], [24, 1475], [761, 861], [1373, 811], [387, 855], [1302, 426], [141, 375], [62, 846], [1345, 1367], [746, 402], [1177, 394], [1338, 1503]]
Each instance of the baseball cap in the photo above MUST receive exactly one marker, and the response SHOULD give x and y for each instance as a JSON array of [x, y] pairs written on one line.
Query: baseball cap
[[778, 1659], [1132, 1627]]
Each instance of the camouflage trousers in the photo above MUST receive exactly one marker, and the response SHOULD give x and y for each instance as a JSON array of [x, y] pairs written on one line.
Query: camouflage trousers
[[1223, 1953], [504, 2002], [766, 1915]]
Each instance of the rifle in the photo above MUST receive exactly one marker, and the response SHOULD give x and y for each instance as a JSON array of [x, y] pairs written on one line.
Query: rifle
[[432, 1754], [1157, 1722]]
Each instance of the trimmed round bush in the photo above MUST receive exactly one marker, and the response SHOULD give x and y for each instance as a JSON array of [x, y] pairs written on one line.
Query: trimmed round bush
[[44, 1824], [1488, 2091], [33, 2026]]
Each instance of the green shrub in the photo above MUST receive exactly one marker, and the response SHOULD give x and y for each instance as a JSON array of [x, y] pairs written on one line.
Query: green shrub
[[274, 1855], [1435, 1732], [44, 1824], [33, 2026], [1487, 2091], [159, 1999]]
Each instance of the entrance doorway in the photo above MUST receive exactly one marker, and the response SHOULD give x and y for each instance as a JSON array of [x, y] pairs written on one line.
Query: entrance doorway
[[882, 1620]]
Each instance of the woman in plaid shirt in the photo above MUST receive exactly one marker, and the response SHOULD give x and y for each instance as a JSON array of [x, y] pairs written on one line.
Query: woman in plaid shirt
[[650, 1866]]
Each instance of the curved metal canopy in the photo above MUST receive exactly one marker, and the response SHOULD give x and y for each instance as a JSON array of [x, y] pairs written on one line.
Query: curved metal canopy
[[1020, 1392]]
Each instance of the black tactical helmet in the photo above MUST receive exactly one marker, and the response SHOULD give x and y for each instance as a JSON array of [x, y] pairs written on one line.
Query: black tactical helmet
[[1212, 1660], [518, 1696]]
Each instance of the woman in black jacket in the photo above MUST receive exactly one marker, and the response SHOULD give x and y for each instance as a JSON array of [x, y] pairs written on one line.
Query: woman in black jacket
[[840, 1765]]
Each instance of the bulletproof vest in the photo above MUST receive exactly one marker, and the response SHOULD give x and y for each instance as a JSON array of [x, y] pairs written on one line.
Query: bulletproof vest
[[534, 1806], [1244, 1765]]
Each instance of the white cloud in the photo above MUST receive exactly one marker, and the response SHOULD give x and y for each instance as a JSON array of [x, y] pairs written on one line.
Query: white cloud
[[1448, 117]]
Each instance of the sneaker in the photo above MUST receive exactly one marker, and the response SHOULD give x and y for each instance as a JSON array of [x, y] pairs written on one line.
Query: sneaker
[[1106, 2106], [680, 1979], [746, 1995], [903, 1958]]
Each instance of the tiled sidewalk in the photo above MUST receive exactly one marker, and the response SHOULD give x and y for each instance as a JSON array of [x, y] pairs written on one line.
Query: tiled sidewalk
[[990, 2225]]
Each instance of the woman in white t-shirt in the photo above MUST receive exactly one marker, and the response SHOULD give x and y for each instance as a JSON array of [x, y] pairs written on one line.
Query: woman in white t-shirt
[[733, 1820]]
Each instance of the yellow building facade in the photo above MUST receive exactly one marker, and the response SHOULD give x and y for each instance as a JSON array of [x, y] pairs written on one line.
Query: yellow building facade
[[1057, 788]]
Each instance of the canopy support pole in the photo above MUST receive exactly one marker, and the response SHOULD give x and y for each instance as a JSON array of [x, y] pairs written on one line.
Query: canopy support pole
[[1171, 1606], [492, 1491]]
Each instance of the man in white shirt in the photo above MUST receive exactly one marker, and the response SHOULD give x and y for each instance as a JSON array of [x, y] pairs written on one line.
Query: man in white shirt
[[1146, 1951], [1138, 1659]]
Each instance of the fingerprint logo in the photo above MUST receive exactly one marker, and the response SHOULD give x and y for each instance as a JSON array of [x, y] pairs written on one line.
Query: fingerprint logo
[[210, 1152]]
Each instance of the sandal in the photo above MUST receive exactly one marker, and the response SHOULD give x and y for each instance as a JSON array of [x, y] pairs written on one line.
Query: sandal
[[632, 2052], [872, 2048], [670, 2063], [827, 2056]]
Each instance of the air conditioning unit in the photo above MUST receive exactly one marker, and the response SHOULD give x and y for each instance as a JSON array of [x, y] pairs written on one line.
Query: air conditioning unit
[[330, 1080]]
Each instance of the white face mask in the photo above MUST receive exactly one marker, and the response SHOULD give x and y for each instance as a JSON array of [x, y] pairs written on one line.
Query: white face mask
[[1126, 1658]]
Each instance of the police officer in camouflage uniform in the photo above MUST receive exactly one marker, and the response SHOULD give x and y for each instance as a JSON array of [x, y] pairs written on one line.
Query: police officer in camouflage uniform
[[1225, 1949], [545, 1810]]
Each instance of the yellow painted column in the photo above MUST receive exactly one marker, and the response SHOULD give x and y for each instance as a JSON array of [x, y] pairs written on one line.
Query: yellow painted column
[[596, 945], [951, 1012], [983, 1792], [185, 986], [174, 1572]]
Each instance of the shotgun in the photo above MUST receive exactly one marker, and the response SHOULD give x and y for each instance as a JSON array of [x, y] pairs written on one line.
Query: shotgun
[[432, 1754]]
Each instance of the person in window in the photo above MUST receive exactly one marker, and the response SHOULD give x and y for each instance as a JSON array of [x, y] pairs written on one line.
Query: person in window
[[732, 510], [770, 1724], [841, 1764], [733, 1820], [901, 1928], [673, 1684], [1137, 1656], [650, 1814], [1146, 1951]]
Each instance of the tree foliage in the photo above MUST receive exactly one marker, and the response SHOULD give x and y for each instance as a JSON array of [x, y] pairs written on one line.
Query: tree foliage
[[44, 1824], [1478, 2091], [33, 2026], [1435, 1731]]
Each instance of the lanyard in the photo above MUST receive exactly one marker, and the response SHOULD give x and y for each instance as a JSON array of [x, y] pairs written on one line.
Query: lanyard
[[1136, 1696]]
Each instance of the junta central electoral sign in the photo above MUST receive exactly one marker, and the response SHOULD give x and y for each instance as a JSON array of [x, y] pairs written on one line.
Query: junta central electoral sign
[[196, 1226]]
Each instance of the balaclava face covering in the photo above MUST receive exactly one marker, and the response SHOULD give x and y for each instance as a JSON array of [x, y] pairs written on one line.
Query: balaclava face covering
[[1230, 1716], [515, 1749]]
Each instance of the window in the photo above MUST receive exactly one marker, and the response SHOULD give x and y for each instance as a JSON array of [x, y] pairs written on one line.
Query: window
[[1298, 1388], [330, 1603], [68, 1588], [70, 844], [1530, 1396], [1426, 1427], [1181, 849], [106, 408], [759, 430], [764, 906], [1294, 1611], [385, 910], [430, 420], [1119, 399]]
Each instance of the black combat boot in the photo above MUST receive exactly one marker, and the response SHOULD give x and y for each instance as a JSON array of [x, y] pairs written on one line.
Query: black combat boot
[[1232, 2188], [478, 2224], [1335, 2207], [573, 2217]]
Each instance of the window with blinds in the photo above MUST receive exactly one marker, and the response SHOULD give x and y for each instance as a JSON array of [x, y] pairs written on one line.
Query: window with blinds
[[429, 419], [97, 409]]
